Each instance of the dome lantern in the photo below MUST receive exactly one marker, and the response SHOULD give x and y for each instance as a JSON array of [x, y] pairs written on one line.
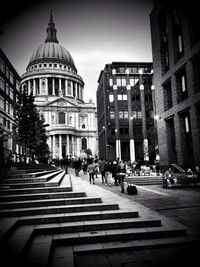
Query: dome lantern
[[51, 30]]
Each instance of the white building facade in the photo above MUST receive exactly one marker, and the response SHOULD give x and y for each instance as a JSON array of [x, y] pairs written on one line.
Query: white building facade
[[52, 77]]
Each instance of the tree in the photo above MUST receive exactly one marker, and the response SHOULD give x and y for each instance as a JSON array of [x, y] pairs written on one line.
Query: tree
[[30, 128]]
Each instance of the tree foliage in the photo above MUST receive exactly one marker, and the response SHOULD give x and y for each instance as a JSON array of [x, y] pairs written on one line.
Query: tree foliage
[[30, 128]]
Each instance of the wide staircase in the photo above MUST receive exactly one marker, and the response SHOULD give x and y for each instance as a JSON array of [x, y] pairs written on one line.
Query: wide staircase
[[45, 222]]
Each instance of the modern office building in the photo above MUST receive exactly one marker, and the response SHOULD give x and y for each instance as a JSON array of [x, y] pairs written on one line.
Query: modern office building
[[175, 35], [125, 108], [59, 95], [9, 89]]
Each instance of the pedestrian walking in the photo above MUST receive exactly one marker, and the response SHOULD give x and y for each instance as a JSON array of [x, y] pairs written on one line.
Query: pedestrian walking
[[102, 169], [91, 171]]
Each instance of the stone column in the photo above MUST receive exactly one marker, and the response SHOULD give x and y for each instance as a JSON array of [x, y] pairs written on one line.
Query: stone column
[[54, 146], [40, 86], [67, 139], [60, 87], [66, 90], [53, 86], [117, 135], [60, 146], [34, 87], [29, 87], [143, 112], [130, 118], [72, 145]]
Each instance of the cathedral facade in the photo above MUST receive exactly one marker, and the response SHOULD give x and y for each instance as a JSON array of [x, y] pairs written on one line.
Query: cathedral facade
[[53, 79]]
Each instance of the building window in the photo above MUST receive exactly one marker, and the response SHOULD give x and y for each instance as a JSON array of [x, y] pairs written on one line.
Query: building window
[[2, 65], [119, 97], [11, 110], [2, 84], [177, 35], [1, 102], [17, 85], [121, 115], [134, 114], [7, 89], [61, 118], [139, 114], [69, 91], [50, 65], [111, 98], [125, 114], [124, 97], [11, 77], [83, 126], [118, 81], [181, 85], [123, 82], [55, 65], [52, 119], [112, 115], [7, 72], [167, 95], [186, 136], [7, 107], [164, 44], [84, 143]]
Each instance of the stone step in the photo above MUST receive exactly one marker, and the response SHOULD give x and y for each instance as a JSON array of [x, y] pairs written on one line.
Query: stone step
[[56, 182], [29, 174], [120, 246], [38, 252], [117, 235], [62, 193], [48, 202], [7, 226], [57, 209], [38, 190], [77, 216], [42, 178], [18, 240], [96, 225]]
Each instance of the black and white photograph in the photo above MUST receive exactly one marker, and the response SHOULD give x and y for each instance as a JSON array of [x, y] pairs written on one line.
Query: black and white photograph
[[99, 133]]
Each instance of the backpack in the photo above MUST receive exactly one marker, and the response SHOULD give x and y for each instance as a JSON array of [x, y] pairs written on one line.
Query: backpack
[[132, 190]]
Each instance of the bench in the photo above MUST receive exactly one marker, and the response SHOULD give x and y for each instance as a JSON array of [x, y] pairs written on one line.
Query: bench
[[182, 179]]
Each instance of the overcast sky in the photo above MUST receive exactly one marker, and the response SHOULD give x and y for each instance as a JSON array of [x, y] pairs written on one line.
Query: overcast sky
[[94, 32]]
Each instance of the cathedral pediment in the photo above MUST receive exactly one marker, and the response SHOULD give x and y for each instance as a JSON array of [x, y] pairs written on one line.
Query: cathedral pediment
[[61, 102]]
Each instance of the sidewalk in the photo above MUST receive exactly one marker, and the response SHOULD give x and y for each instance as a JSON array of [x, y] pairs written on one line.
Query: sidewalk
[[182, 205]]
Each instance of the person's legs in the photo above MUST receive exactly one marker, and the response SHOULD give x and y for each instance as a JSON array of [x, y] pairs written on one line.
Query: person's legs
[[90, 177], [93, 178]]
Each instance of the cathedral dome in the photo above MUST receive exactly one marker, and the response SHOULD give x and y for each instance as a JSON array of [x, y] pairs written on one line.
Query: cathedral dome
[[51, 50]]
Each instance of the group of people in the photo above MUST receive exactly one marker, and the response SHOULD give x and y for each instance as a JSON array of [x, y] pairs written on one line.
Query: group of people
[[171, 179]]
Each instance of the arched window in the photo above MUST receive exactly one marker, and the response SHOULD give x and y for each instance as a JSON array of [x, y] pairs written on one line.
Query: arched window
[[61, 118], [84, 143]]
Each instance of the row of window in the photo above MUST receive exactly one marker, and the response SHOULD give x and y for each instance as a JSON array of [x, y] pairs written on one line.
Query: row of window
[[8, 108], [178, 38], [133, 81], [6, 88], [135, 114], [133, 70], [135, 97], [51, 65], [6, 71], [6, 122], [181, 88]]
